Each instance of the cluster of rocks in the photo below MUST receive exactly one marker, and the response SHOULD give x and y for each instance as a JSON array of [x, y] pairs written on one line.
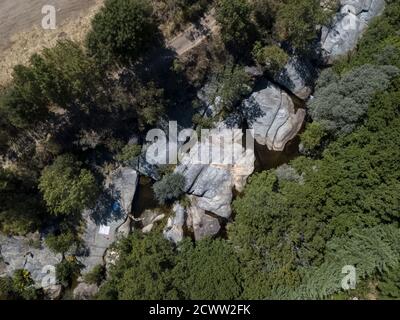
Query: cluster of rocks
[[269, 111], [348, 26], [191, 219], [30, 253]]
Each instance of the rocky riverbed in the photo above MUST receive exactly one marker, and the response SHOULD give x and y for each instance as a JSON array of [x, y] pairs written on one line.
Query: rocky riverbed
[[271, 112]]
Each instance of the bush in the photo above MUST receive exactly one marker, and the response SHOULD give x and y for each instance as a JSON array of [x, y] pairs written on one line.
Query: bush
[[311, 138], [67, 270], [272, 57], [296, 22], [169, 188], [21, 209], [96, 275], [129, 153], [237, 29], [123, 30], [60, 243], [66, 188], [340, 104]]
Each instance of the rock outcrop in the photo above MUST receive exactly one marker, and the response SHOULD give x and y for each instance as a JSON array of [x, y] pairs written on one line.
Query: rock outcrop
[[271, 114], [85, 291], [202, 224], [211, 173], [174, 229], [53, 292], [348, 26], [149, 218], [297, 77], [109, 216], [29, 253]]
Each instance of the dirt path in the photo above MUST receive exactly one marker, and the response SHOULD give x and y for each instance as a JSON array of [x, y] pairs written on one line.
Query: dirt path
[[194, 35]]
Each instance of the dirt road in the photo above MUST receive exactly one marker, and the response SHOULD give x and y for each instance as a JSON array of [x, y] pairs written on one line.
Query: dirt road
[[194, 35], [22, 15]]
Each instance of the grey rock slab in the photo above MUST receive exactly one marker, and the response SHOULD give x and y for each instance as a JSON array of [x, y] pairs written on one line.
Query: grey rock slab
[[18, 253], [174, 229], [108, 220], [203, 224], [85, 291], [297, 77], [348, 26], [271, 114]]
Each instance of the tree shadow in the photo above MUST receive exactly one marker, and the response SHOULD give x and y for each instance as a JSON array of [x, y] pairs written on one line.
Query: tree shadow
[[108, 208]]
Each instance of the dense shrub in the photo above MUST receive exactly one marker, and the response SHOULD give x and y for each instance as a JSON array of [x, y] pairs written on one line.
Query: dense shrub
[[341, 104], [169, 188], [66, 188], [123, 30]]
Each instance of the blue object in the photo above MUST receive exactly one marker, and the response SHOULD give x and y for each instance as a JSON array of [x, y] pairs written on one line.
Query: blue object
[[116, 206]]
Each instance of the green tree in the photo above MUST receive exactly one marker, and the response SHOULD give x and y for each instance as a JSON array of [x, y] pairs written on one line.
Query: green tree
[[129, 154], [23, 285], [272, 57], [65, 74], [23, 103], [21, 209], [96, 275], [67, 270], [311, 138], [237, 29], [231, 86], [296, 22], [208, 270], [60, 243], [169, 188], [370, 250], [149, 104], [143, 271], [66, 187], [341, 103], [261, 235], [389, 284], [123, 30]]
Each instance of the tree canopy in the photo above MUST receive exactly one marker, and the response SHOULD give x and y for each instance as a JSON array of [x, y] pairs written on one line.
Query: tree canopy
[[123, 30], [66, 187]]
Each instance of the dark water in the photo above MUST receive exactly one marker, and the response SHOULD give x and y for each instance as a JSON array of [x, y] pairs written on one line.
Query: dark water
[[144, 197], [267, 159]]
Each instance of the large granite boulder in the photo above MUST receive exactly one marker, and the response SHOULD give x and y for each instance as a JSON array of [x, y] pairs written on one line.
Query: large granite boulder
[[149, 218], [29, 253], [297, 76], [174, 229], [211, 173], [108, 219], [85, 291], [202, 224], [271, 114], [348, 26]]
